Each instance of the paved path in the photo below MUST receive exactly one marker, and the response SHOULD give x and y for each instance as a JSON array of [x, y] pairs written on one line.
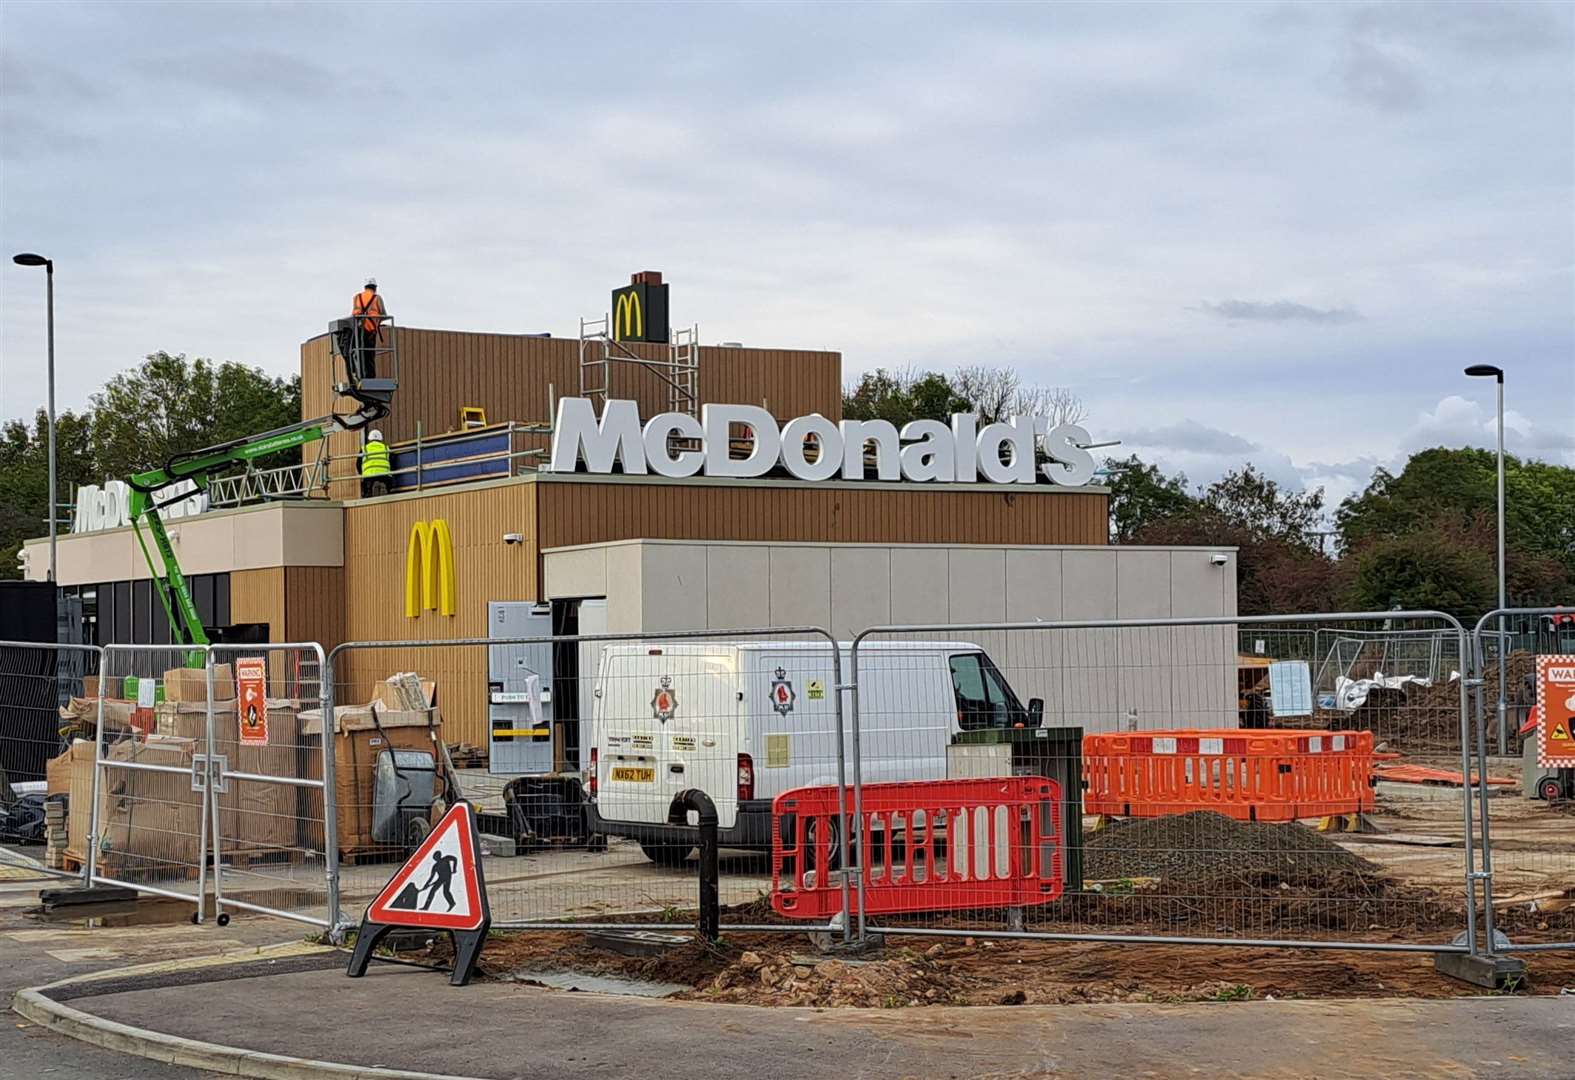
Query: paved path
[[399, 1017]]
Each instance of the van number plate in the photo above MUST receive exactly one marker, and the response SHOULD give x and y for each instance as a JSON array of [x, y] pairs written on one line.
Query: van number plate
[[638, 776]]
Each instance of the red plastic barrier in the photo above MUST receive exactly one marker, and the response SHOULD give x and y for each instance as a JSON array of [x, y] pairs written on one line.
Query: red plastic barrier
[[933, 845], [1253, 776]]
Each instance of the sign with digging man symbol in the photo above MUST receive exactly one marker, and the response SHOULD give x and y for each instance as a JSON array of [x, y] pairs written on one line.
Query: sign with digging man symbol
[[438, 888], [1556, 709]]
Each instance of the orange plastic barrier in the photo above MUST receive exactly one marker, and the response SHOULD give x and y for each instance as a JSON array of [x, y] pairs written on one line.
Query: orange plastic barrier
[[1250, 775], [932, 845]]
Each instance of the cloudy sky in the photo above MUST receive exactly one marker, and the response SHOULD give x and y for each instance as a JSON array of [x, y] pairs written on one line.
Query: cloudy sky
[[1271, 233]]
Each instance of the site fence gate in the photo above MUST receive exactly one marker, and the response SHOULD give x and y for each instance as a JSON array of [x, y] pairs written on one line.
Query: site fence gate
[[42, 688], [1528, 693], [590, 740], [1212, 794], [207, 789]]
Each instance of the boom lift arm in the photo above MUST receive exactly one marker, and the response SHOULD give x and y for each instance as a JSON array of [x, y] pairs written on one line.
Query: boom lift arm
[[200, 467]]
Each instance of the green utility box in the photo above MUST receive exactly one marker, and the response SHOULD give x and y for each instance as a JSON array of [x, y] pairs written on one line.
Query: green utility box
[[1054, 752]]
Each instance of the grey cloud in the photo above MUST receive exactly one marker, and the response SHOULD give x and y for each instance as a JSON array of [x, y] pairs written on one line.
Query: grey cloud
[[1375, 75], [1278, 311], [1192, 437]]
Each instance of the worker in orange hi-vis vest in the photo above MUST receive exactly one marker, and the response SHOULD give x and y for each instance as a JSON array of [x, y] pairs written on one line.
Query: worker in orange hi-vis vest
[[367, 308]]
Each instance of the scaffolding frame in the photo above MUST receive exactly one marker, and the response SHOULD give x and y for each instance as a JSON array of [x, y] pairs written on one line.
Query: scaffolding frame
[[680, 371]]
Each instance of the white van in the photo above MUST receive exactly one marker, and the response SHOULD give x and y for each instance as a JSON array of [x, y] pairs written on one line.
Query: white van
[[745, 722]]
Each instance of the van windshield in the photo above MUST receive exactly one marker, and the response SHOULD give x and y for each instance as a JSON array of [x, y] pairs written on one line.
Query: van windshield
[[984, 700]]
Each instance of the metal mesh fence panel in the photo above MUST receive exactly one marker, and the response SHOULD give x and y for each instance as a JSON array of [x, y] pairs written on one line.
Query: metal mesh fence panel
[[1213, 786], [268, 810], [149, 823], [1528, 656], [43, 689], [594, 742]]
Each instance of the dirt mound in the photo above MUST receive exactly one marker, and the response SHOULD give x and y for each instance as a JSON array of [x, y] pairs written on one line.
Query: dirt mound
[[1203, 846]]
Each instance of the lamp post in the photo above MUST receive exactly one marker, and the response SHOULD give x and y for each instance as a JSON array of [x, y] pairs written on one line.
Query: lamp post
[[27, 258], [1486, 371]]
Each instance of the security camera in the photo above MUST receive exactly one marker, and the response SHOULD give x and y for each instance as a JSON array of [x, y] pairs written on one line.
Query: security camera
[[513, 538], [1219, 558]]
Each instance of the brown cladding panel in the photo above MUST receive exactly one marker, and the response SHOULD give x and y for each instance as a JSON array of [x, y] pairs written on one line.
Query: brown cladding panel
[[314, 604], [589, 512], [257, 596], [485, 568]]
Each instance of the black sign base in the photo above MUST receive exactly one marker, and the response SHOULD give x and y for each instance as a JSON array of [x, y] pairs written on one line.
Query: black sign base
[[467, 949]]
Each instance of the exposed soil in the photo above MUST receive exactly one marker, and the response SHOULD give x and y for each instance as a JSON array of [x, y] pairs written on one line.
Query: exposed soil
[[781, 969], [1186, 849]]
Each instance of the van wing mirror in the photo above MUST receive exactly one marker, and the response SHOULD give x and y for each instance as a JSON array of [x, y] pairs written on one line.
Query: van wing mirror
[[1036, 711]]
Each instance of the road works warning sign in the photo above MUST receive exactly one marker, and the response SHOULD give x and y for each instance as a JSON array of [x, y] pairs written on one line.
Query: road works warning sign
[[439, 887], [1556, 712], [251, 688]]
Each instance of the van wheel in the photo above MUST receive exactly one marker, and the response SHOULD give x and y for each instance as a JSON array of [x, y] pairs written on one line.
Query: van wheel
[[833, 845], [669, 855]]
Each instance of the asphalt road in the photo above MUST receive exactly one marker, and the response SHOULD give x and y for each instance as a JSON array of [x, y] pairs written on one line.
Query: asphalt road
[[38, 952]]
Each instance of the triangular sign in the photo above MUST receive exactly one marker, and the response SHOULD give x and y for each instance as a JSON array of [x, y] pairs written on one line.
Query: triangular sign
[[440, 886]]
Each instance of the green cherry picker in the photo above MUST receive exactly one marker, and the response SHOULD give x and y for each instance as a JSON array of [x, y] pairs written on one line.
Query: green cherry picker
[[151, 491]]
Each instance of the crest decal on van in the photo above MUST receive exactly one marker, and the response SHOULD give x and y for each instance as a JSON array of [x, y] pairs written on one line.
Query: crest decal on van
[[664, 703], [782, 693]]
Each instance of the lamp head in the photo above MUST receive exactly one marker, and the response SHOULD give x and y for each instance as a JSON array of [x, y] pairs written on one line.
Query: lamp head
[[1486, 371], [27, 258]]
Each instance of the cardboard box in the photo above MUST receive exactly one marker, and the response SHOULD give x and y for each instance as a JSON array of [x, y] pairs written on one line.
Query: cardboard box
[[83, 713], [101, 686], [149, 822], [361, 732], [191, 684], [72, 774]]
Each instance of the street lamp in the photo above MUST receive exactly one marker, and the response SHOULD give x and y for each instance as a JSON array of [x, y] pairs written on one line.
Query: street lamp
[[1489, 371], [27, 258]]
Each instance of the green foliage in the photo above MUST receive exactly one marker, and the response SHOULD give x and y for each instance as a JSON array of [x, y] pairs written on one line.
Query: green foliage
[[1140, 495], [1454, 493], [166, 406], [1428, 569], [1247, 499], [901, 396], [24, 477], [170, 405]]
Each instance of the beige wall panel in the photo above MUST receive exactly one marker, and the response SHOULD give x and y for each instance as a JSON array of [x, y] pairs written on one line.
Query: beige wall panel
[[581, 572], [800, 586], [625, 600], [976, 585], [1142, 584], [673, 586], [919, 589], [1088, 585], [738, 593], [1033, 585], [860, 589]]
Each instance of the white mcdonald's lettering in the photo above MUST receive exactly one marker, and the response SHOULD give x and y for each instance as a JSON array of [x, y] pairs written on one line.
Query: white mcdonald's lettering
[[815, 448]]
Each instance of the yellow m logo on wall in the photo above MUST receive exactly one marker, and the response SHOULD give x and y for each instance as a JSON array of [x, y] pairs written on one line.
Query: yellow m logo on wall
[[628, 320], [429, 569]]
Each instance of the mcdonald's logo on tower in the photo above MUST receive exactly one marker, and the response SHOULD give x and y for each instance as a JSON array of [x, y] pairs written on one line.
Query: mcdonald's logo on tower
[[429, 569], [639, 309]]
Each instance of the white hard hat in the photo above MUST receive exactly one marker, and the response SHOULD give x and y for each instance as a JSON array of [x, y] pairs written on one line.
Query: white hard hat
[[371, 282], [374, 435]]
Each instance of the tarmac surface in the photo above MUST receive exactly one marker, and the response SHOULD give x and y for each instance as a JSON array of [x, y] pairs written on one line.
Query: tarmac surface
[[407, 1018]]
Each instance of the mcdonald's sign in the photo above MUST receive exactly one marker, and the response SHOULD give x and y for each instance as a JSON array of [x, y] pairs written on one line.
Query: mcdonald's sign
[[639, 311], [429, 569]]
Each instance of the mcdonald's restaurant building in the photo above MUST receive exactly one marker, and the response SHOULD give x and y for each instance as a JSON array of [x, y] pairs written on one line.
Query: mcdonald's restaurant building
[[479, 515]]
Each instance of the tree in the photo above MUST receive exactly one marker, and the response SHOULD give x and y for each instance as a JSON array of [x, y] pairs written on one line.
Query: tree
[[992, 394], [170, 405], [1422, 570], [1140, 495], [1252, 501], [996, 394], [24, 477]]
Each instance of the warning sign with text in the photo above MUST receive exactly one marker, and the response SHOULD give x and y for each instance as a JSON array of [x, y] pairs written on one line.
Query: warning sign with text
[[251, 690], [1556, 712]]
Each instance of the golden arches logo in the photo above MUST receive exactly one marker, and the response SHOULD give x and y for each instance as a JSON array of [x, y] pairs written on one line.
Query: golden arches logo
[[429, 569], [628, 319]]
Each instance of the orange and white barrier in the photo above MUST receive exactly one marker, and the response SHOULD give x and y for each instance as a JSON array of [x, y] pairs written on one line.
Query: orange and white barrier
[[1253, 776]]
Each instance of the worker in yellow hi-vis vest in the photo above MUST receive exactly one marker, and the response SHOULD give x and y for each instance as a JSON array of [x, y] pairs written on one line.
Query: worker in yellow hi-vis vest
[[375, 478]]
